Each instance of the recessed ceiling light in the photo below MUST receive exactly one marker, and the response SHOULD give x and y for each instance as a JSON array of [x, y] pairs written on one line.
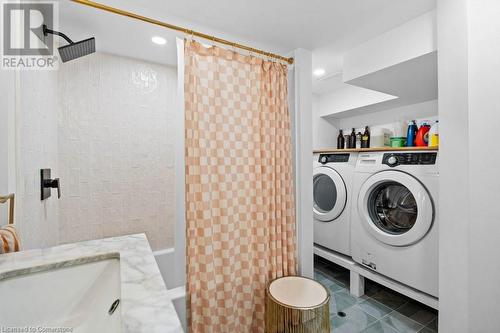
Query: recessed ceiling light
[[159, 40], [319, 72]]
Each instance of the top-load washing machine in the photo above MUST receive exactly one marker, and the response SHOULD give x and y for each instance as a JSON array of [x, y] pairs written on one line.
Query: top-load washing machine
[[332, 183], [394, 222]]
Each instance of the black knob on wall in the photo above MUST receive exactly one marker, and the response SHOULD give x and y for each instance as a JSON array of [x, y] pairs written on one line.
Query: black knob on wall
[[47, 183]]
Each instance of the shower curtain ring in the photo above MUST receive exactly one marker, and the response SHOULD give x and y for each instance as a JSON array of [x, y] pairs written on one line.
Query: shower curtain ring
[[189, 34]]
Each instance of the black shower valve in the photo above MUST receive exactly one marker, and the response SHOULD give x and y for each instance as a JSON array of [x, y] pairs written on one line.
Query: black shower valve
[[47, 183]]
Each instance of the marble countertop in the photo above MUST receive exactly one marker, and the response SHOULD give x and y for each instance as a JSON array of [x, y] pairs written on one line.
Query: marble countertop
[[146, 307]]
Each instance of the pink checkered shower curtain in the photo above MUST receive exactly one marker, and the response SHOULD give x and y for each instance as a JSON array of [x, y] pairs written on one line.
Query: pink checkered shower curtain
[[240, 210]]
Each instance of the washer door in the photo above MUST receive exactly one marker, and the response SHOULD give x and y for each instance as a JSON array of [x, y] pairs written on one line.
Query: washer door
[[395, 208], [330, 194]]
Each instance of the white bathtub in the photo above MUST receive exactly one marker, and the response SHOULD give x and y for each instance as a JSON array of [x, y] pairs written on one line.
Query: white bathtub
[[165, 260]]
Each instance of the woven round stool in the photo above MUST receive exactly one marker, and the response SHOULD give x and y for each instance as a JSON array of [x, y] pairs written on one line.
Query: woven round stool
[[296, 304]]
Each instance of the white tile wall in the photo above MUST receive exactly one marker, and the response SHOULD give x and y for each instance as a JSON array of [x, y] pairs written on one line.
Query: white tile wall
[[7, 155], [116, 152], [36, 148]]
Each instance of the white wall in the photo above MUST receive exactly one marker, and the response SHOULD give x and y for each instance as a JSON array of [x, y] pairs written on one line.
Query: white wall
[[324, 133], [116, 149], [394, 119], [301, 111], [469, 50], [7, 138], [410, 40], [484, 120], [349, 97], [180, 167], [104, 125], [454, 180], [401, 62], [6, 96], [36, 149]]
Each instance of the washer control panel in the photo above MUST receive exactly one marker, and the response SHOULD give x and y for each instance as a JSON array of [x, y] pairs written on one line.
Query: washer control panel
[[395, 159], [333, 158]]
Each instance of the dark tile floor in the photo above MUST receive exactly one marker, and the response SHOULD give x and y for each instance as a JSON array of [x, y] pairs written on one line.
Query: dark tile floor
[[380, 310]]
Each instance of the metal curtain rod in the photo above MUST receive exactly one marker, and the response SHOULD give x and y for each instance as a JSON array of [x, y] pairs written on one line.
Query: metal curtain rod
[[184, 30]]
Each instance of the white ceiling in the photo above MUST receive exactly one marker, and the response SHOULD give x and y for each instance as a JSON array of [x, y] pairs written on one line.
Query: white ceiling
[[309, 24], [327, 27], [117, 34]]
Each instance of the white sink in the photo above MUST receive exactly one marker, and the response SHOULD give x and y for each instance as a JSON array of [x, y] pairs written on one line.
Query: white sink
[[78, 297]]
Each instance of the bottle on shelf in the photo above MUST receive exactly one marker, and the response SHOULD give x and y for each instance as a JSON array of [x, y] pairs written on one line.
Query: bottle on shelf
[[422, 138], [340, 140], [352, 139], [365, 139], [358, 140], [434, 135], [411, 134]]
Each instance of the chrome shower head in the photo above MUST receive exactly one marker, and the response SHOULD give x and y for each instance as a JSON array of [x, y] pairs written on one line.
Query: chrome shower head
[[72, 50]]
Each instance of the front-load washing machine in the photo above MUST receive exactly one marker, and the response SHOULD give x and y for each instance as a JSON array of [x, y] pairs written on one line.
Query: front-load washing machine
[[332, 183], [394, 221]]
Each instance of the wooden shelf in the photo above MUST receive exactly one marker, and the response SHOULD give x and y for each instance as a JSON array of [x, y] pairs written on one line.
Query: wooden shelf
[[335, 150]]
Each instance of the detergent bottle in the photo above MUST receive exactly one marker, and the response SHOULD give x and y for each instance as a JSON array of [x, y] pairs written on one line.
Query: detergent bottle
[[434, 135], [422, 139], [411, 134]]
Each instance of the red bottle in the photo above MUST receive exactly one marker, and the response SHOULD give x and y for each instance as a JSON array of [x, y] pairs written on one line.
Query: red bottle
[[422, 139]]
